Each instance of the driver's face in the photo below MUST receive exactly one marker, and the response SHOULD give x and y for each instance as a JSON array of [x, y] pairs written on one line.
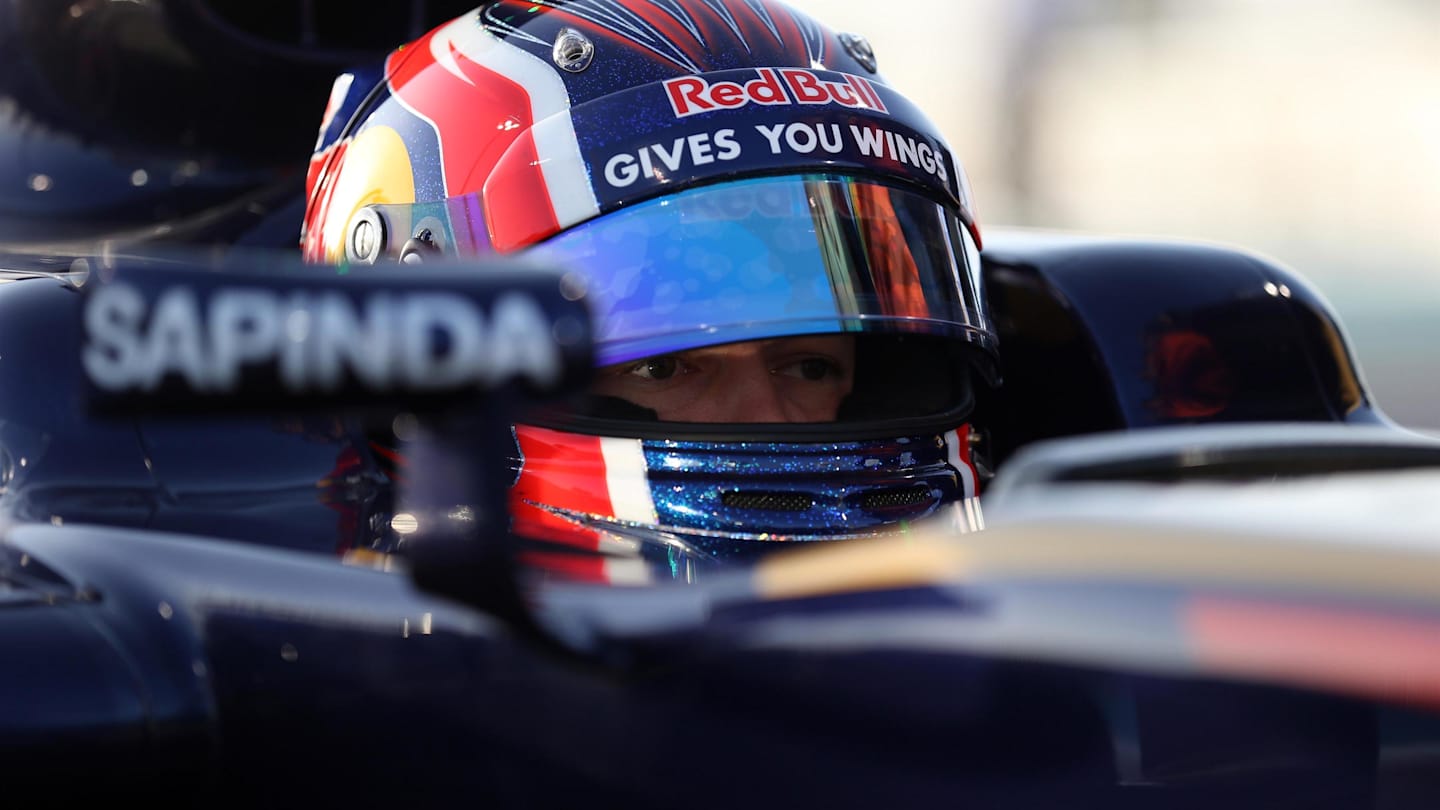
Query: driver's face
[[800, 379]]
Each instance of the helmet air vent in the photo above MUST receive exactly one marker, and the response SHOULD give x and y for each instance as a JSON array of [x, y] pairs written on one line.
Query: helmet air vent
[[859, 49], [768, 501], [573, 50], [896, 498]]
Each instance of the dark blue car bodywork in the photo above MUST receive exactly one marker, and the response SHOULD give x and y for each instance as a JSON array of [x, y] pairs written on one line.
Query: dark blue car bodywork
[[181, 628], [184, 621]]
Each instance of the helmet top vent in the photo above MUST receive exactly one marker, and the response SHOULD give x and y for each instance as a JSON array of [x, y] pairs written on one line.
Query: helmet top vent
[[573, 50]]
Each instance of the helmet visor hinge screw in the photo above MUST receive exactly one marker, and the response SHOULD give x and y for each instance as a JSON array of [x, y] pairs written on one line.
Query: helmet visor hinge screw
[[573, 50], [859, 49], [367, 237]]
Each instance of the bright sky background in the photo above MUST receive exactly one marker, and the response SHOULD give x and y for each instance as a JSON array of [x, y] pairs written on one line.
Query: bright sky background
[[1308, 130]]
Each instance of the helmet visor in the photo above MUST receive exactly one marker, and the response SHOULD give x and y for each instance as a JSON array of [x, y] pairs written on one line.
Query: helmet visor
[[773, 257]]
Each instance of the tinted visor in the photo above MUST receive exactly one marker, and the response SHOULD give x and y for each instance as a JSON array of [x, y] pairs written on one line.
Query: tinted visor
[[885, 380], [772, 257]]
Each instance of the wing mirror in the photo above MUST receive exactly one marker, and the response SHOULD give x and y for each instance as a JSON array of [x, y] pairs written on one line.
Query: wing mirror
[[455, 349]]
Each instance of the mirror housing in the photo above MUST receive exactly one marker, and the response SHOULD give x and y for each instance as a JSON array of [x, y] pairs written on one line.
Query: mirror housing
[[453, 350]]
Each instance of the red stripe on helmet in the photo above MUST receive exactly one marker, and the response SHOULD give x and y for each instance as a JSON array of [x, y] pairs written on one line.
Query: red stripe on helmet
[[517, 204], [790, 34], [671, 28], [496, 109], [320, 179], [567, 567], [562, 469]]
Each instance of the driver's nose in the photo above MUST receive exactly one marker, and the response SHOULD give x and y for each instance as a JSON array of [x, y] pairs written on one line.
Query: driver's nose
[[748, 392]]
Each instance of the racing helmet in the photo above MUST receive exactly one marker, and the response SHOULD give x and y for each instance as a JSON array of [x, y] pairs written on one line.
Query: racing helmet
[[718, 177]]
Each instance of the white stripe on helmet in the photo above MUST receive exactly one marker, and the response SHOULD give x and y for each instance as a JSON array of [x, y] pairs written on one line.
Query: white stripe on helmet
[[567, 179], [626, 480]]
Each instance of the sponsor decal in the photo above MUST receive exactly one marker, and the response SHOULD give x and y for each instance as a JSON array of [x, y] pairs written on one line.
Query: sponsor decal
[[690, 95], [681, 153], [864, 143], [314, 341]]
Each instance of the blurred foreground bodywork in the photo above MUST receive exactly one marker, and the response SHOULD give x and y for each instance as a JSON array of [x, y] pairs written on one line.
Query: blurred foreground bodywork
[[1091, 661], [171, 584], [1142, 624]]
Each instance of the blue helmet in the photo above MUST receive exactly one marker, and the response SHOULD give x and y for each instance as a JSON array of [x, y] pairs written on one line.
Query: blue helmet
[[779, 250]]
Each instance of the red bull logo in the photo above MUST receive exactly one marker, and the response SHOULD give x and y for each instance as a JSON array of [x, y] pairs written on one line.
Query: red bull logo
[[775, 86]]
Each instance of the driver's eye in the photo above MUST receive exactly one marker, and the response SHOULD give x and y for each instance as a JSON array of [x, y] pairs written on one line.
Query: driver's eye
[[657, 368], [816, 368]]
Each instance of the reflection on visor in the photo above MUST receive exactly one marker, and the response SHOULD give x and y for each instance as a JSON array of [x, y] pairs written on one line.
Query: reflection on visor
[[772, 257], [847, 379]]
